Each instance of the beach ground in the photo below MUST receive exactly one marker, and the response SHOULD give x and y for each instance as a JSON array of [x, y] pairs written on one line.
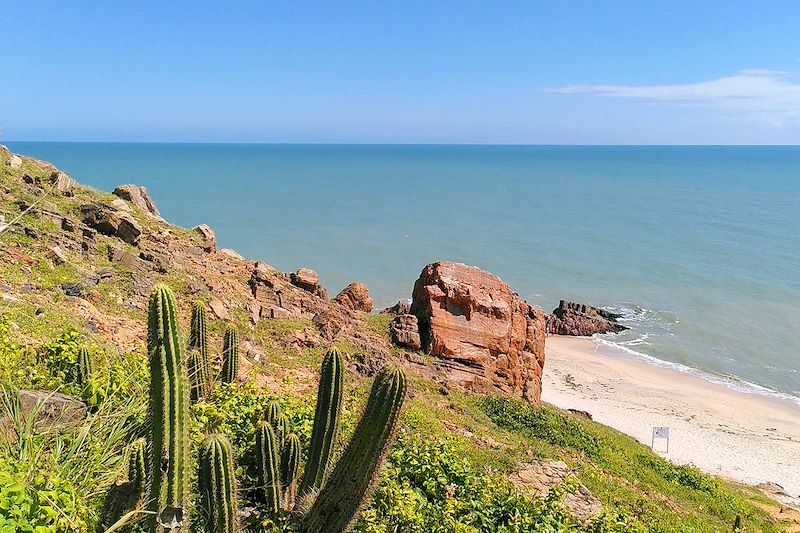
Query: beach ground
[[744, 437]]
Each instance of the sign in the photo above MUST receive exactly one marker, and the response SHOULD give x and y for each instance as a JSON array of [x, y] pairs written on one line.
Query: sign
[[660, 432]]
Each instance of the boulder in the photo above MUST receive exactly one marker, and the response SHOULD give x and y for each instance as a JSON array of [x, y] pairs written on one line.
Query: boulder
[[54, 408], [109, 221], [355, 297], [15, 162], [493, 340], [582, 320], [537, 478], [62, 183], [208, 236], [219, 309], [139, 197], [308, 280], [404, 331]]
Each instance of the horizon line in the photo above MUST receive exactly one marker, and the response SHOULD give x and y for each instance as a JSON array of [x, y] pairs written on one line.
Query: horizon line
[[312, 143]]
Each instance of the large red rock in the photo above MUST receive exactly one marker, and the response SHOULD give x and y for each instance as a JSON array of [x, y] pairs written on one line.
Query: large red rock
[[471, 318], [355, 297]]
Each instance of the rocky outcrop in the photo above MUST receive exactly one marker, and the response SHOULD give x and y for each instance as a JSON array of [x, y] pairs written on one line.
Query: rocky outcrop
[[278, 299], [109, 221], [139, 197], [539, 477], [308, 280], [493, 340], [208, 237], [355, 297], [404, 332], [582, 320], [51, 408]]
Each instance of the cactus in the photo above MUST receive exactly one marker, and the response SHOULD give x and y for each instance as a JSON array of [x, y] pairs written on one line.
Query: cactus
[[353, 477], [169, 415], [198, 375], [326, 422], [266, 460], [217, 485], [290, 467], [124, 496], [281, 426], [197, 330], [737, 524], [272, 412], [83, 367], [230, 356]]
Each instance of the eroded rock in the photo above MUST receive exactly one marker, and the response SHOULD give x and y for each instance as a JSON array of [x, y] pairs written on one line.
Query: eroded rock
[[538, 477], [54, 408], [139, 197], [109, 221], [355, 297], [471, 319], [208, 237], [404, 331], [571, 318], [308, 280]]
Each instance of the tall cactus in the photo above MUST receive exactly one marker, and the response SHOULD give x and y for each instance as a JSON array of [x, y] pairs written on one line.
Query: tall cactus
[[266, 459], [353, 476], [326, 422], [290, 468], [137, 464], [169, 415], [272, 411], [218, 485], [199, 375], [197, 332], [230, 356], [83, 367], [281, 426]]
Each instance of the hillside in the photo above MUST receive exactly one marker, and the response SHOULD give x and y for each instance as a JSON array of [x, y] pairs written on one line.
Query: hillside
[[461, 462]]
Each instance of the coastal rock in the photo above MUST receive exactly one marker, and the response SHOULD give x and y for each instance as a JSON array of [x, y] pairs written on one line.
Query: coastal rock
[[493, 340], [219, 309], [582, 320], [404, 331], [139, 197], [328, 323], [62, 183], [402, 307], [538, 477], [308, 280], [15, 162], [355, 297], [208, 236], [108, 221]]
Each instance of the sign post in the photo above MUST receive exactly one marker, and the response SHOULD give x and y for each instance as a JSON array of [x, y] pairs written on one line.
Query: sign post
[[660, 433]]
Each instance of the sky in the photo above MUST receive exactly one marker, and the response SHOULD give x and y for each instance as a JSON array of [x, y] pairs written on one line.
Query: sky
[[527, 72]]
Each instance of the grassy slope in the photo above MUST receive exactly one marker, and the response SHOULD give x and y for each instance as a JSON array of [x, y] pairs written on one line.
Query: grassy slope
[[496, 435]]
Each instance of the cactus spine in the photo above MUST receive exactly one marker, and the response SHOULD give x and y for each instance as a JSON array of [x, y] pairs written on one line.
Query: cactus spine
[[267, 466], [199, 376], [290, 468], [83, 367], [218, 485], [326, 422], [169, 415], [230, 356], [352, 478]]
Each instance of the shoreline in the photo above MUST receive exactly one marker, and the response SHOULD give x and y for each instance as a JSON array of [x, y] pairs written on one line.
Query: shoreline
[[737, 435]]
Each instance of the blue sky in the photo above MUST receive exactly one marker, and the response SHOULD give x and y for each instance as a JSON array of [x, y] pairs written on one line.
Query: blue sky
[[582, 72]]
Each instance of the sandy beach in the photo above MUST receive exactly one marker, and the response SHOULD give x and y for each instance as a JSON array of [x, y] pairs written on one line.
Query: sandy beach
[[740, 436]]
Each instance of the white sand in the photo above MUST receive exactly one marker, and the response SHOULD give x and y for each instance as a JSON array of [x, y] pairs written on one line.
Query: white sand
[[740, 436]]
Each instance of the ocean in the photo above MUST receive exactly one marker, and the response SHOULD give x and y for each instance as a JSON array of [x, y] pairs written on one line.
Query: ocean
[[698, 247]]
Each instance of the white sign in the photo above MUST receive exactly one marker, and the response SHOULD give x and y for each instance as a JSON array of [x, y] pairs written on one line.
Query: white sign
[[660, 432]]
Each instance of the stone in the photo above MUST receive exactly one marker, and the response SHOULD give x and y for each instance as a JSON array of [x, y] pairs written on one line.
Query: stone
[[15, 162], [581, 414], [308, 280], [404, 331], [219, 309], [62, 183], [73, 289], [538, 477], [208, 236], [491, 339], [121, 256], [139, 197], [402, 307], [355, 297], [109, 221], [121, 205], [54, 409], [56, 254], [582, 320], [233, 254], [328, 323]]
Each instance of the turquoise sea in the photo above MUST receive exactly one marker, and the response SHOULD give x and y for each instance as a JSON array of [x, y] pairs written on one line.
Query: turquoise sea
[[699, 247]]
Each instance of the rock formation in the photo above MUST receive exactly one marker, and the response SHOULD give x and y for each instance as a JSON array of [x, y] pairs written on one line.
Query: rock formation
[[404, 331], [208, 237], [493, 340], [402, 307], [355, 297], [139, 197], [582, 320], [109, 221], [308, 280]]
